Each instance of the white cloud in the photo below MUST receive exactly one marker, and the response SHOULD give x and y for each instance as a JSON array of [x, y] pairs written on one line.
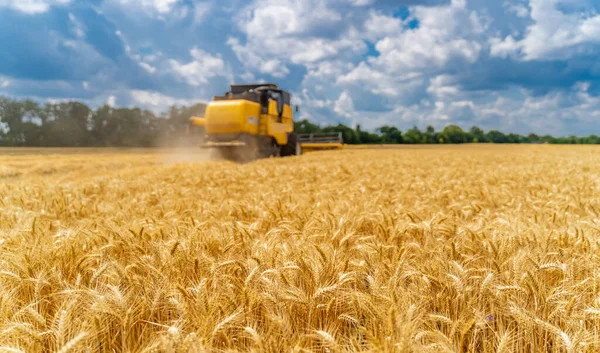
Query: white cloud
[[179, 13], [203, 67], [285, 17], [344, 106], [582, 86], [446, 34], [329, 69], [504, 48], [518, 9], [160, 6], [274, 67], [317, 49], [442, 86], [552, 113], [379, 81], [442, 36], [201, 10], [77, 26], [32, 6], [418, 76], [362, 2], [111, 101], [553, 35], [151, 69], [462, 104], [247, 76], [292, 32], [155, 101], [253, 61], [379, 25], [4, 82]]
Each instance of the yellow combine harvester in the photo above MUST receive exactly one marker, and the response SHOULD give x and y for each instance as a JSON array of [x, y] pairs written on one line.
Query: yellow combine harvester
[[256, 121]]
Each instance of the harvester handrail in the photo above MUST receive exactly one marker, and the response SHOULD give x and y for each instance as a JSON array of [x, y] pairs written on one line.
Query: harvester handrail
[[335, 137]]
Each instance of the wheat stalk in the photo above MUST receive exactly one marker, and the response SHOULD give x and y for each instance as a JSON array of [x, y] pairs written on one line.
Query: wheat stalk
[[485, 248]]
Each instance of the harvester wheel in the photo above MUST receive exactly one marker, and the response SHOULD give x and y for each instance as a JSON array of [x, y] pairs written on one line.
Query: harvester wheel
[[231, 154], [254, 149], [269, 148], [293, 147], [240, 154]]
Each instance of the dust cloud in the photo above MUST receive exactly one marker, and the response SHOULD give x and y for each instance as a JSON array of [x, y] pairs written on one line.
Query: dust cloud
[[176, 155], [184, 147]]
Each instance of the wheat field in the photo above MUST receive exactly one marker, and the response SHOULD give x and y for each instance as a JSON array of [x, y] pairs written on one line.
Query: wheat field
[[424, 249]]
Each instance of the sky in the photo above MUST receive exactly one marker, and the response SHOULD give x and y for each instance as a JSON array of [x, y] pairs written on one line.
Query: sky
[[517, 66]]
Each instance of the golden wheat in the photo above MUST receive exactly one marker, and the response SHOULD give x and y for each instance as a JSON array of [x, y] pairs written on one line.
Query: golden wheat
[[432, 249]]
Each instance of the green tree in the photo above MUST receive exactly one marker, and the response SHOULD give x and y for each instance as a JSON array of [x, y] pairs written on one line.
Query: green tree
[[478, 134], [22, 122], [548, 139], [367, 137], [496, 137], [390, 134], [350, 135], [68, 124], [413, 136], [306, 127], [592, 139], [514, 138], [26, 123], [532, 138], [430, 136], [454, 134]]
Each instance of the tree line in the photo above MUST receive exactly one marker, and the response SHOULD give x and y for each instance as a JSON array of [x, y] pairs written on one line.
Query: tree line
[[74, 124], [451, 134]]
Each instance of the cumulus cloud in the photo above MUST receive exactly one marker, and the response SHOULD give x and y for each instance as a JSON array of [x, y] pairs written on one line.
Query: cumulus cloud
[[362, 2], [32, 6], [443, 86], [344, 106], [151, 69], [254, 61], [203, 67], [156, 101], [160, 6], [201, 11], [293, 32], [445, 35], [4, 83], [553, 35], [517, 8], [379, 25], [111, 101], [513, 65]]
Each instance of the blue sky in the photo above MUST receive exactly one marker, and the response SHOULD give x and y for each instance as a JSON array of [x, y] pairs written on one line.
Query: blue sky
[[514, 65]]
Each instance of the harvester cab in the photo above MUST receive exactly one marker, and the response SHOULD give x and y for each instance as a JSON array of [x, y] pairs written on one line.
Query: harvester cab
[[253, 121]]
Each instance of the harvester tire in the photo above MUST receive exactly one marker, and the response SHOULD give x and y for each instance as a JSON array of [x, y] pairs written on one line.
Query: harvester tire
[[292, 148], [269, 148]]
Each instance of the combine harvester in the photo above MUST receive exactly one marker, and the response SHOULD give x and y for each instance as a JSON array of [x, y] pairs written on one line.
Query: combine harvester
[[254, 121]]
